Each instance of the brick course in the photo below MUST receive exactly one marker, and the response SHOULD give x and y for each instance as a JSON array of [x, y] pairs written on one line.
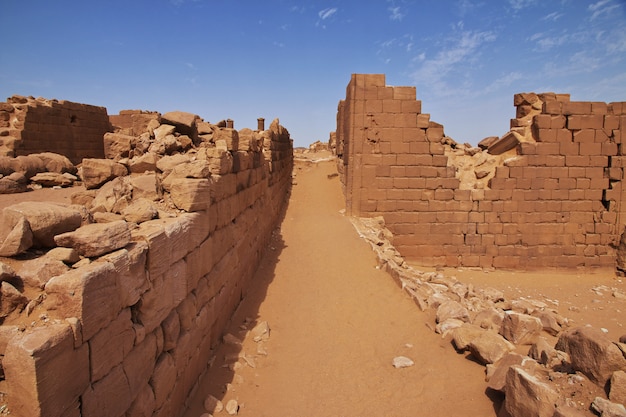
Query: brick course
[[554, 200]]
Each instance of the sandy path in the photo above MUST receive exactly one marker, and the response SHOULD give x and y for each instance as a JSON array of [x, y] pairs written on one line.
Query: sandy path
[[336, 324]]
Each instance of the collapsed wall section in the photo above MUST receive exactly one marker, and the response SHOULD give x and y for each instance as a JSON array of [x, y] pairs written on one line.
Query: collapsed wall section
[[546, 194], [29, 125], [131, 332]]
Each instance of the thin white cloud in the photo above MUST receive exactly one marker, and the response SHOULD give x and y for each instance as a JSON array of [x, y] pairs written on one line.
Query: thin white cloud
[[503, 81], [190, 65], [521, 4], [554, 16], [602, 7], [326, 13], [467, 6], [463, 50], [395, 13], [545, 42]]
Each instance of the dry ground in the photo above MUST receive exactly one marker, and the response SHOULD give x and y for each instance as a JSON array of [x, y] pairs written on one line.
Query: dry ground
[[337, 322]]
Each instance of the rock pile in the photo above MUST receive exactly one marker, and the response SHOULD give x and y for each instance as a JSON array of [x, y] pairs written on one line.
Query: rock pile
[[567, 379]]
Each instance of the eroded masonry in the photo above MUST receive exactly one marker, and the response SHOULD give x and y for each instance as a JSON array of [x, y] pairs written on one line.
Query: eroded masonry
[[546, 194], [124, 293]]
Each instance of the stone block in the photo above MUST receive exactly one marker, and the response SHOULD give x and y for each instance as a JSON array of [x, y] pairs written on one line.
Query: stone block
[[171, 331], [97, 399], [96, 239], [576, 107], [166, 293], [35, 364], [45, 220], [163, 379], [404, 93], [117, 145], [588, 121], [89, 293], [191, 194], [95, 172], [139, 364], [109, 346]]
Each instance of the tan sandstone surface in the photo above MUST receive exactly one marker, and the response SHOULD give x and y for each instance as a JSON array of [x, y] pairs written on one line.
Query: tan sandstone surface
[[336, 322]]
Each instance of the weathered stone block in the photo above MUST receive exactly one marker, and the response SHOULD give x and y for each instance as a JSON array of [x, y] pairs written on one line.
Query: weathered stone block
[[166, 293], [163, 379], [98, 401], [96, 239], [89, 293], [95, 172], [191, 194], [35, 363], [109, 346], [592, 353]]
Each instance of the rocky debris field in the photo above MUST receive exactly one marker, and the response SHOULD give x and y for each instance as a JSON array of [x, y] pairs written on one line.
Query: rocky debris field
[[583, 373]]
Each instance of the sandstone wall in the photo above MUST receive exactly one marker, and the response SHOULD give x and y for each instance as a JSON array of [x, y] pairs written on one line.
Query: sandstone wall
[[130, 333], [29, 125], [546, 194]]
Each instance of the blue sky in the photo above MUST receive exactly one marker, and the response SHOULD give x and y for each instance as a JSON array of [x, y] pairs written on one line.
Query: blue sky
[[293, 59]]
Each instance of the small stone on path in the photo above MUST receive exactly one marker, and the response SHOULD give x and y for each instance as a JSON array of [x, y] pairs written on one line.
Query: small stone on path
[[232, 407], [213, 404], [402, 362]]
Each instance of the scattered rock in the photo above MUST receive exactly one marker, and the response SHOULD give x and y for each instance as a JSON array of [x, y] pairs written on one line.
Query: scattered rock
[[213, 405], [37, 272], [10, 299], [402, 362], [607, 408], [520, 329], [592, 353], [490, 347], [232, 407], [96, 172], [261, 332], [452, 310], [617, 392], [231, 340], [526, 395]]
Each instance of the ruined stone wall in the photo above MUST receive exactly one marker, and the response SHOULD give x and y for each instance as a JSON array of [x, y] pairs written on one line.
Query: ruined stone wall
[[132, 332], [546, 194], [29, 125]]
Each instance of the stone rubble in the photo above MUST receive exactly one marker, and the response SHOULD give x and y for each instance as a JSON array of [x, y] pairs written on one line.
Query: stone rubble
[[550, 380]]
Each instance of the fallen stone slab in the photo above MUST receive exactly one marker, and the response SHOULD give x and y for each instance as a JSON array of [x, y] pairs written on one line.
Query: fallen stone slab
[[96, 239], [45, 220], [490, 347], [520, 329]]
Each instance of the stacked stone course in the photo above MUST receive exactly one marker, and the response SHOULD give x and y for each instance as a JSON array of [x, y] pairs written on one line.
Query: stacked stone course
[[553, 198], [131, 332], [29, 125]]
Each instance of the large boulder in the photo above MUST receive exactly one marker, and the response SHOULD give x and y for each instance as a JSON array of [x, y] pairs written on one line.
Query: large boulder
[[45, 220], [592, 353], [526, 395], [54, 162], [96, 172], [185, 123], [13, 183]]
